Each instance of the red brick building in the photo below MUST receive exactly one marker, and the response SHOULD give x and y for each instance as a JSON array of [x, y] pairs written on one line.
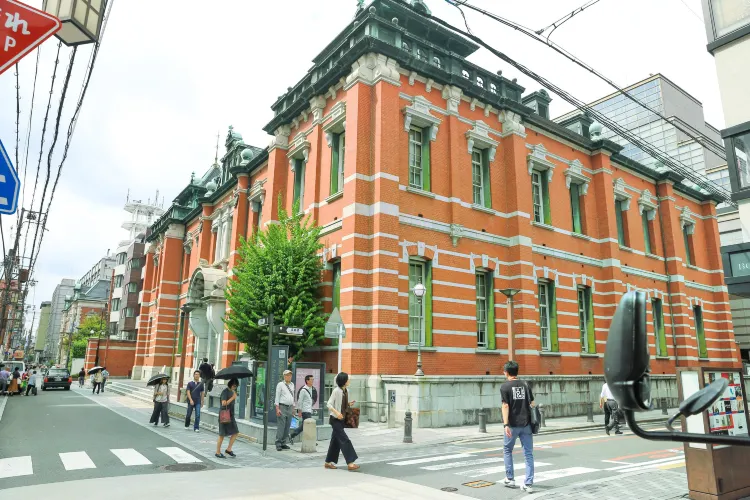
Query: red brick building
[[421, 166]]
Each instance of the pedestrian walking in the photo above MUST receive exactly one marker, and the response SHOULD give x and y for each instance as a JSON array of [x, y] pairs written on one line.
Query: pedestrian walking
[[81, 378], [338, 403], [611, 410], [5, 377], [284, 409], [105, 376], [305, 403], [24, 382], [207, 374], [161, 403], [517, 401], [31, 385], [196, 393], [14, 382], [228, 396], [98, 380]]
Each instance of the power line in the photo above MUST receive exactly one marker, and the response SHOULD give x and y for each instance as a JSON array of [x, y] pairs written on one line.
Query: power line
[[566, 18], [664, 158], [28, 128], [701, 139], [692, 11]]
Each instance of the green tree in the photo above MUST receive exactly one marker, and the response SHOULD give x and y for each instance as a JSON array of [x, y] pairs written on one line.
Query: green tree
[[279, 272], [79, 348], [92, 325]]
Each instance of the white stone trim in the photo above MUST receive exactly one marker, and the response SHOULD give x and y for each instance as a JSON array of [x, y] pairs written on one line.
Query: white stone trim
[[574, 175], [537, 160], [479, 138], [337, 122], [418, 115], [621, 193]]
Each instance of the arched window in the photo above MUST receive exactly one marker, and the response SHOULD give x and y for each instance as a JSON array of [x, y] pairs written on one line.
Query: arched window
[[493, 88], [421, 54], [480, 81], [436, 62], [405, 46], [465, 74]]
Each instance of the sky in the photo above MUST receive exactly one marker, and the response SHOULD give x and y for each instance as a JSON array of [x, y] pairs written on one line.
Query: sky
[[172, 74]]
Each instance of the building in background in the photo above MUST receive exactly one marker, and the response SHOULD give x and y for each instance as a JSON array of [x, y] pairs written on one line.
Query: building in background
[[40, 340], [728, 33], [126, 286], [101, 270], [92, 301], [52, 343]]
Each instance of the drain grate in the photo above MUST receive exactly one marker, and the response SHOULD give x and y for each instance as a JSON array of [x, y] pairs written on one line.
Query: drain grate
[[449, 489], [186, 467], [478, 484]]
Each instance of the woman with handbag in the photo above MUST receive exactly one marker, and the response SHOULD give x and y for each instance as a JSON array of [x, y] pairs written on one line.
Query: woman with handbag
[[161, 403], [227, 423], [338, 404]]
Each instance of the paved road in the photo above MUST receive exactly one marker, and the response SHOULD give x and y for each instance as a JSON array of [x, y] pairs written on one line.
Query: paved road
[[64, 436], [477, 470]]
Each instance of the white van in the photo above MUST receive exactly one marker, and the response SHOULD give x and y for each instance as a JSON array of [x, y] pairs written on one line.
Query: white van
[[13, 364]]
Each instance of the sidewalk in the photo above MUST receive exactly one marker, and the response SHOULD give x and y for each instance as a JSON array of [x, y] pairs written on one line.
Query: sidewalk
[[651, 485]]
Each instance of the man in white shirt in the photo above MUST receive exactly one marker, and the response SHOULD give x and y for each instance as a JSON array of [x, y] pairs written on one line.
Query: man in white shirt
[[31, 386], [105, 376], [611, 410], [284, 409], [305, 404]]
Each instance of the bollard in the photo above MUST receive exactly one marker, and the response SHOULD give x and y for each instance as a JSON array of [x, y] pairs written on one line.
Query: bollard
[[542, 409], [407, 427], [590, 416], [309, 435], [482, 421], [664, 406]]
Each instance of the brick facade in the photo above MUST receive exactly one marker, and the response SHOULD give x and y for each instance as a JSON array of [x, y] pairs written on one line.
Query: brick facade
[[381, 223], [118, 356]]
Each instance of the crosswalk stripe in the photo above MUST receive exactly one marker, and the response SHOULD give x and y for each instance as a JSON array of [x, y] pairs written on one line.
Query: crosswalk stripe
[[77, 460], [498, 469], [129, 457], [641, 464], [15, 466], [557, 474], [465, 463], [179, 455], [431, 459], [637, 467]]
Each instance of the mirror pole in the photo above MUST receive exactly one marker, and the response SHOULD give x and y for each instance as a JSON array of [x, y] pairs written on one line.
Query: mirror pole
[[683, 437]]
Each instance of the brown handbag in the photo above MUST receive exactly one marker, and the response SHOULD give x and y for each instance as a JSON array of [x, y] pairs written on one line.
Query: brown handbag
[[351, 418]]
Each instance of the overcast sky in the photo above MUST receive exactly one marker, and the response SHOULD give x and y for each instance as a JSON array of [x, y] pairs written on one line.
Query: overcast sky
[[171, 74]]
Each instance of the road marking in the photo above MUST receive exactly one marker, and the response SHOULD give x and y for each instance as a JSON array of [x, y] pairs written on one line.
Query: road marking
[[77, 460], [129, 457], [15, 466], [644, 454], [179, 455], [616, 462], [560, 473], [673, 466], [431, 459], [678, 462], [465, 463], [496, 470], [642, 464]]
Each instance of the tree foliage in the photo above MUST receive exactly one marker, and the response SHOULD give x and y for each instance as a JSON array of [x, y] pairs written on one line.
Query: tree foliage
[[279, 272], [93, 325]]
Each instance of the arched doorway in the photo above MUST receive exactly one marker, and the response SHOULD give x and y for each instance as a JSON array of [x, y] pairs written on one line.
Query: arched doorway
[[206, 297]]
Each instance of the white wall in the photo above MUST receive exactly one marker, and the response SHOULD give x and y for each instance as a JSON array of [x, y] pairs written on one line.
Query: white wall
[[733, 70]]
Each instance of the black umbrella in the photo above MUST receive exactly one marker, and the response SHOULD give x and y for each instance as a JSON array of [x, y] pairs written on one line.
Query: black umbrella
[[96, 369], [234, 371], [156, 378]]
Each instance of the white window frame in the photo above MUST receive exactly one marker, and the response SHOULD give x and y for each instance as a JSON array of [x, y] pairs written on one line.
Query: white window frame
[[583, 319], [537, 184], [415, 311], [415, 161], [477, 167], [482, 303], [342, 154], [545, 333]]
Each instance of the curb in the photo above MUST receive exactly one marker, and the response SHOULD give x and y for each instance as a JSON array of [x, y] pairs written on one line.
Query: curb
[[2, 406]]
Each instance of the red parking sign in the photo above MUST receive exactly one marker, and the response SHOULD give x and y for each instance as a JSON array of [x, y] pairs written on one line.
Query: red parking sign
[[22, 29]]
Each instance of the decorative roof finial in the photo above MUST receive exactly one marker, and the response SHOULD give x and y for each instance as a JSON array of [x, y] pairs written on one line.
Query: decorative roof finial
[[192, 178], [360, 5], [216, 158]]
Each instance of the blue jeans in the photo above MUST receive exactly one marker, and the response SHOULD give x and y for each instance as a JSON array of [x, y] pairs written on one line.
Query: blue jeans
[[197, 415], [527, 442]]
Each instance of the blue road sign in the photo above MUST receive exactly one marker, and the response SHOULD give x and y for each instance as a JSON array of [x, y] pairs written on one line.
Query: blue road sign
[[9, 184]]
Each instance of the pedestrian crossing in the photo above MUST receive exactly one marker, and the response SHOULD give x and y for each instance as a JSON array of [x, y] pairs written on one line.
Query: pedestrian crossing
[[81, 460]]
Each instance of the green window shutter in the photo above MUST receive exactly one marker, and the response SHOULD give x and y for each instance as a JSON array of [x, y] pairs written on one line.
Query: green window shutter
[[575, 203], [661, 337], [700, 332], [335, 163], [590, 321], [545, 197], [491, 310], [428, 305], [620, 225], [646, 233], [486, 178], [426, 185], [552, 292]]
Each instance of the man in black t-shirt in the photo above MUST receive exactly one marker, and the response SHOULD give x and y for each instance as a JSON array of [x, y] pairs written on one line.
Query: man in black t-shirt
[[517, 399]]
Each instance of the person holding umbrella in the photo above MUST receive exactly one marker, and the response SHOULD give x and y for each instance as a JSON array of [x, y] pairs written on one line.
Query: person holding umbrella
[[161, 399], [229, 428]]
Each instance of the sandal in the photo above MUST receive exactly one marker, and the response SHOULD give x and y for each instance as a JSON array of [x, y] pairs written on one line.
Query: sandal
[[219, 455], [352, 467], [331, 466], [230, 453]]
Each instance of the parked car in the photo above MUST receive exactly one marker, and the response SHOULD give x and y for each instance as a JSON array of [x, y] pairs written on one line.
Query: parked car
[[57, 377]]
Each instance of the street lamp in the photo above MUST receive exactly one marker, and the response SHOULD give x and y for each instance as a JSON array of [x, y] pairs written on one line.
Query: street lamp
[[510, 293], [419, 291], [81, 19]]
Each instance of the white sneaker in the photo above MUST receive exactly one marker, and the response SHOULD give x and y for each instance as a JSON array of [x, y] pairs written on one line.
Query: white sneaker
[[527, 488], [509, 483], [197, 430]]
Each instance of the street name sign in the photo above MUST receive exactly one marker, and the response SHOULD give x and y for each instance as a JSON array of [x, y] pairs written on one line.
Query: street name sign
[[22, 29], [263, 321], [288, 330], [9, 183]]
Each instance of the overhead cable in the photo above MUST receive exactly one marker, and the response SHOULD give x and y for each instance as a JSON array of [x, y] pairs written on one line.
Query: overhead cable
[[566, 18]]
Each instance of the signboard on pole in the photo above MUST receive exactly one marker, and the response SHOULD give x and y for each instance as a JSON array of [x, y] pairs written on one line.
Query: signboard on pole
[[22, 29], [288, 330], [279, 363], [335, 326], [9, 183]]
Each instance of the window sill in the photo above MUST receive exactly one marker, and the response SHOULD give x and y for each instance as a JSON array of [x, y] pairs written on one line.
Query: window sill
[[653, 256], [550, 353], [626, 249], [421, 192], [589, 355], [663, 358], [413, 347], [704, 360], [581, 236], [481, 350], [335, 196], [690, 266], [482, 209], [543, 226]]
